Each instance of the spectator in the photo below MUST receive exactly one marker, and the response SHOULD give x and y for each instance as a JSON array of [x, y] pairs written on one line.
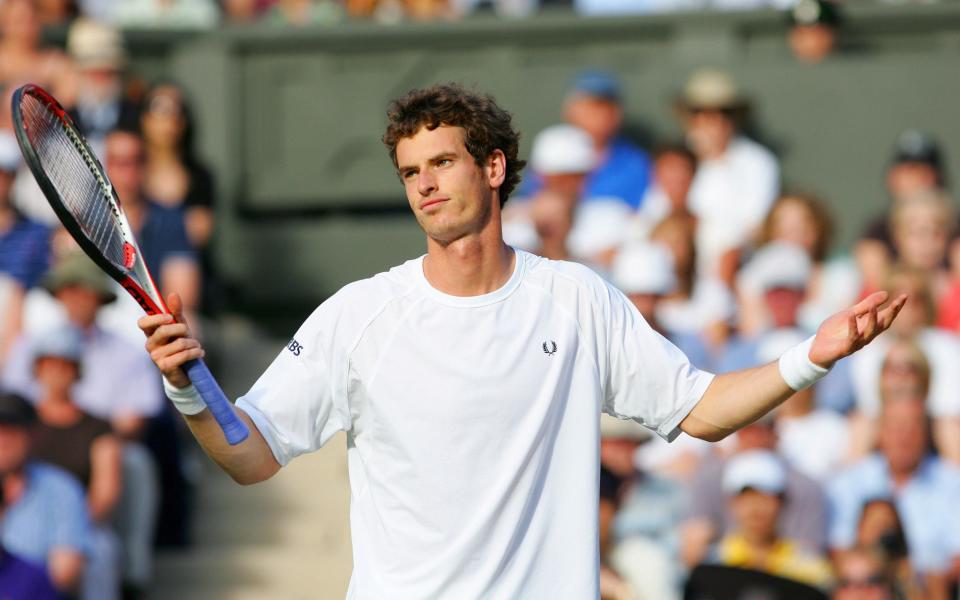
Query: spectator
[[699, 305], [803, 516], [737, 179], [921, 227], [803, 220], [46, 519], [674, 167], [113, 372], [612, 585], [23, 59], [861, 576], [917, 167], [53, 13], [771, 288], [100, 56], [923, 487], [941, 348], [19, 579], [562, 155], [594, 103], [24, 250], [756, 483], [880, 531], [813, 30], [83, 446], [153, 14], [642, 546], [160, 230], [242, 12]]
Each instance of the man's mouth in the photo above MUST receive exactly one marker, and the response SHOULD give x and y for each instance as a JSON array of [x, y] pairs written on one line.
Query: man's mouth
[[432, 202]]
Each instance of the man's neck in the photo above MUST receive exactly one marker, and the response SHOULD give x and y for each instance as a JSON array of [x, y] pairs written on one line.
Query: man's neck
[[471, 266]]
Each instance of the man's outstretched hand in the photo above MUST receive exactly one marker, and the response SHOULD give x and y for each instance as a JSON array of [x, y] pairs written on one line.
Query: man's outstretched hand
[[849, 330]]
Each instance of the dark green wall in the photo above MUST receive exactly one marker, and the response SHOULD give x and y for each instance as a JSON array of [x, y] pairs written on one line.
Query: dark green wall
[[291, 120]]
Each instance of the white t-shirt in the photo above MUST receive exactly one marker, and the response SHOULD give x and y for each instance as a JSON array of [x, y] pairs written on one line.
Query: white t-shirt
[[731, 196], [472, 423]]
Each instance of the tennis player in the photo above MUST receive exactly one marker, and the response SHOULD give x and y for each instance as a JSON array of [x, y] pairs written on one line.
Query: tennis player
[[470, 381]]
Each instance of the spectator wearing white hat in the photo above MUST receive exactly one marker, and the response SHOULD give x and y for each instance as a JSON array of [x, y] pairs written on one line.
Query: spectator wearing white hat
[[99, 53], [755, 483], [737, 179]]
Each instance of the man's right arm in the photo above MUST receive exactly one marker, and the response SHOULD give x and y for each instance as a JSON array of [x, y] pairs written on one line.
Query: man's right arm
[[170, 346]]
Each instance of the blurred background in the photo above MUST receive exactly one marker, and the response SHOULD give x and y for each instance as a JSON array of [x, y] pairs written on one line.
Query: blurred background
[[741, 169]]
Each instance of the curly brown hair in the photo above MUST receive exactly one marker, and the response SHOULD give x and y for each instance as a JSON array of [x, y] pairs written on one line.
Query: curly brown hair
[[486, 126]]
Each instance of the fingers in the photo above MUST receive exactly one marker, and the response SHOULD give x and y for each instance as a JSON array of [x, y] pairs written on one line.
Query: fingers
[[175, 306], [871, 302], [888, 314], [166, 333], [869, 329], [170, 357]]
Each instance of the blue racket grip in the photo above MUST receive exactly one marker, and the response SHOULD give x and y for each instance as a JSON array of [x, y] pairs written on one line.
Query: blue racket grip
[[233, 428]]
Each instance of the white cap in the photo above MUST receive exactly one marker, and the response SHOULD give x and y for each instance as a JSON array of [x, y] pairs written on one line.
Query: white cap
[[9, 152], [562, 149], [599, 224], [760, 470], [95, 45], [644, 268], [776, 265]]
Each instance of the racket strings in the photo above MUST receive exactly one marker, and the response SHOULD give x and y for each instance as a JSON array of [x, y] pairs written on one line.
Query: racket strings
[[77, 178]]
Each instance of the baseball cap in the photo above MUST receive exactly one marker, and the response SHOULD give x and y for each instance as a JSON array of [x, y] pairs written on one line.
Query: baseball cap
[[95, 45], [597, 84], [644, 268], [15, 410], [562, 149], [760, 470], [77, 269], [63, 342], [814, 12], [776, 265], [622, 429], [914, 145]]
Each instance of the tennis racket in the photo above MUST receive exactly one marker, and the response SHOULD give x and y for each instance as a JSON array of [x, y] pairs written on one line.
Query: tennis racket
[[77, 188]]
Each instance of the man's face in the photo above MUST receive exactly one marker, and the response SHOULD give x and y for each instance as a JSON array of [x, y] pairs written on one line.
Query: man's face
[[908, 179], [674, 172], [55, 374], [921, 236], [812, 43], [450, 194], [903, 435], [646, 304], [124, 164], [617, 455], [14, 447], [756, 514], [81, 304], [709, 132], [599, 117]]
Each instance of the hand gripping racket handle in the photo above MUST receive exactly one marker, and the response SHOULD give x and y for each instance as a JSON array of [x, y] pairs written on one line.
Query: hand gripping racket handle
[[233, 428]]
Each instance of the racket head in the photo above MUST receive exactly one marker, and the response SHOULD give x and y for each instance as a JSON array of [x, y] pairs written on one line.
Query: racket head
[[77, 187]]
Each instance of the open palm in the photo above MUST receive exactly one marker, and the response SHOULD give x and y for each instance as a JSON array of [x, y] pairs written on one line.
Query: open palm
[[849, 330]]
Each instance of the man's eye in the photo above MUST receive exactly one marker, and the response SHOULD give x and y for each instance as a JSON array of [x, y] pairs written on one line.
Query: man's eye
[[444, 162], [406, 174]]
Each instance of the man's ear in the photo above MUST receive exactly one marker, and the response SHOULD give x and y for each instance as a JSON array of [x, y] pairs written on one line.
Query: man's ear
[[496, 168]]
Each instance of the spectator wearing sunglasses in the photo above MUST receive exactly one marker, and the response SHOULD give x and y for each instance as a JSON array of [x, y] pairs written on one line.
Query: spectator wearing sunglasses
[[737, 179]]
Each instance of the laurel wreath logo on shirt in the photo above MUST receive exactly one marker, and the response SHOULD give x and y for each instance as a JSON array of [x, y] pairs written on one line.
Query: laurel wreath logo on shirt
[[550, 349]]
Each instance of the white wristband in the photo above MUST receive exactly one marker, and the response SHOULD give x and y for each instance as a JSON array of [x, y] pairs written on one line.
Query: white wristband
[[797, 369], [186, 399]]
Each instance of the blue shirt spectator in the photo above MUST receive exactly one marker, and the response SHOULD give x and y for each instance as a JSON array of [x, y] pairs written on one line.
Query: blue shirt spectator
[[926, 503], [51, 513], [162, 236], [20, 580], [25, 251]]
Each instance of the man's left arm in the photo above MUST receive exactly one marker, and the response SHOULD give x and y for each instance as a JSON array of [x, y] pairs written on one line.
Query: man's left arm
[[736, 399]]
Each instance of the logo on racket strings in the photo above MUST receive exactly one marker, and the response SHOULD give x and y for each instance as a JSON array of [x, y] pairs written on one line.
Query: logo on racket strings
[[129, 255]]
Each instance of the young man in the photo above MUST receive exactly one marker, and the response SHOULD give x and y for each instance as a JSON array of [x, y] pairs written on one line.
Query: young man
[[469, 382]]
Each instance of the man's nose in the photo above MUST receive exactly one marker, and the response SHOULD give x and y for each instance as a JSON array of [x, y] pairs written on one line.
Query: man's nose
[[426, 183]]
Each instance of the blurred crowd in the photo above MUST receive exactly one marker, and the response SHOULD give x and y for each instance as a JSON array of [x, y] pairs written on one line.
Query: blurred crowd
[[844, 492], [208, 14], [93, 476], [849, 489]]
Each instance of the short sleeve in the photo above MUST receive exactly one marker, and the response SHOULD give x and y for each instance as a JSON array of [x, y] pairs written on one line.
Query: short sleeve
[[648, 379], [300, 402]]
